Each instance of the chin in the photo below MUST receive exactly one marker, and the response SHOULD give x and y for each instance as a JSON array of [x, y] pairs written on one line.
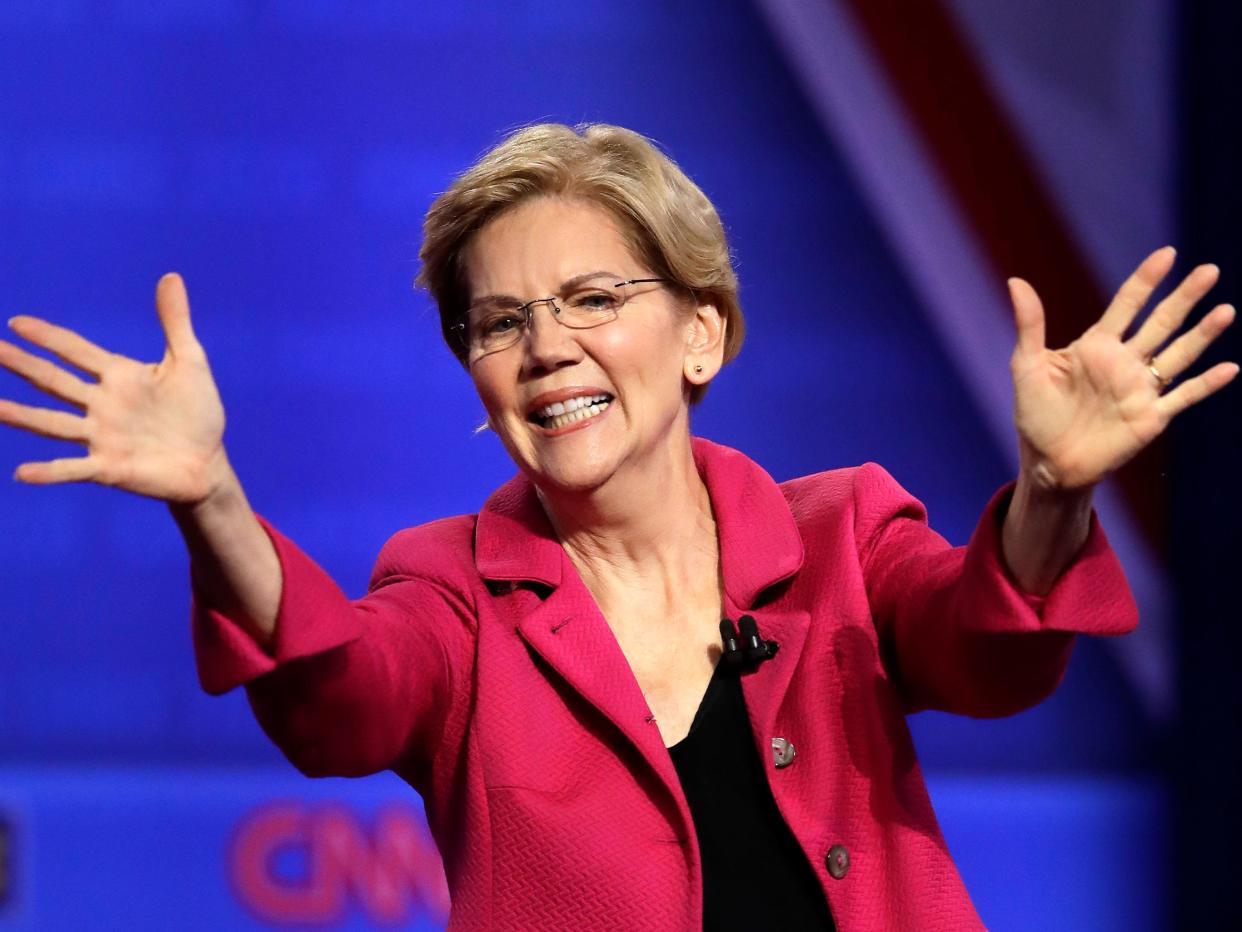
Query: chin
[[571, 474], [573, 467]]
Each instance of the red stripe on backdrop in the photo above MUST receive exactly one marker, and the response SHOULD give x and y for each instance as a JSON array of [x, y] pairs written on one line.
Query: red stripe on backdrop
[[980, 158]]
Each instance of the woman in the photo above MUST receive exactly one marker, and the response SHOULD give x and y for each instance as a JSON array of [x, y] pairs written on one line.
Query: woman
[[549, 674]]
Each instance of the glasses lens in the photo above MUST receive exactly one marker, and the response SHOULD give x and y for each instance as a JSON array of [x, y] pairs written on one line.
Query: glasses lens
[[592, 305], [492, 327]]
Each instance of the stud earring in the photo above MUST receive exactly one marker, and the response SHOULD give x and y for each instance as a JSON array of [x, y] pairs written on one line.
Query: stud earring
[[698, 368]]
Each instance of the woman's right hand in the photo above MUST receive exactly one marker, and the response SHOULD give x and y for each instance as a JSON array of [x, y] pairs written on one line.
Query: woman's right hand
[[155, 429]]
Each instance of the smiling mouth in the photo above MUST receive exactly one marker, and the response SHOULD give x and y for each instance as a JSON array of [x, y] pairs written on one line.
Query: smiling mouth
[[563, 413]]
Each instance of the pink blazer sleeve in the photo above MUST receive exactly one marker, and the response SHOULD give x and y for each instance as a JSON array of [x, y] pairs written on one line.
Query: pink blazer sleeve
[[957, 632], [351, 687]]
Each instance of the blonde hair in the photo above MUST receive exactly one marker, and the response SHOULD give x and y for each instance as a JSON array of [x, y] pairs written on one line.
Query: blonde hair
[[668, 222]]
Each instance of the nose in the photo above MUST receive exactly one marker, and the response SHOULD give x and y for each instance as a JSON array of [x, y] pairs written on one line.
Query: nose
[[548, 345]]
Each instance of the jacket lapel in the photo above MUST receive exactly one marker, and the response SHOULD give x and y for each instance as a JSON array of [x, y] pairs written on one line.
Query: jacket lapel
[[514, 543], [568, 631], [760, 546]]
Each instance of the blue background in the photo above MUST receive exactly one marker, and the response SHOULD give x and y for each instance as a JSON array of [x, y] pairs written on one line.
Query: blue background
[[280, 155]]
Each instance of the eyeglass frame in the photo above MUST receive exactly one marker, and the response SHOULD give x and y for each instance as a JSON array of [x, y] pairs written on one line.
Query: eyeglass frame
[[459, 326]]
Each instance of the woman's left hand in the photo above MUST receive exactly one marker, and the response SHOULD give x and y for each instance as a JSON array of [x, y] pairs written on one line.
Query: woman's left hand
[[1084, 410]]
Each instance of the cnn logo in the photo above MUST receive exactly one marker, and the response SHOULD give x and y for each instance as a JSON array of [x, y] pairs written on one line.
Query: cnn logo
[[292, 863]]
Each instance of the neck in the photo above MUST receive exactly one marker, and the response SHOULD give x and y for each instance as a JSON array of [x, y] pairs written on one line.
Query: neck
[[647, 536]]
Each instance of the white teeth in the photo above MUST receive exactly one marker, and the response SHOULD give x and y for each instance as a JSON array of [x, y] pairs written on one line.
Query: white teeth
[[561, 408], [597, 405]]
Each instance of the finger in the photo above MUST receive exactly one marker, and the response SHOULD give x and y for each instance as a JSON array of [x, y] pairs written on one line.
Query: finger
[[73, 469], [1028, 313], [1192, 391], [1169, 314], [69, 346], [1179, 355], [1135, 291], [59, 425], [44, 375], [173, 306]]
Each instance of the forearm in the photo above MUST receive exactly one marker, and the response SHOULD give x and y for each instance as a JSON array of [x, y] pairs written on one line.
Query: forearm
[[1044, 531], [234, 564]]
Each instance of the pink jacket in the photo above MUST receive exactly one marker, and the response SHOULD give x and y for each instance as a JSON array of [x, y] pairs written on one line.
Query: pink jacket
[[479, 669]]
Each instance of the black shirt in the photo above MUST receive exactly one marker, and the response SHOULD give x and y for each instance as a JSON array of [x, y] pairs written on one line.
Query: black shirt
[[755, 875]]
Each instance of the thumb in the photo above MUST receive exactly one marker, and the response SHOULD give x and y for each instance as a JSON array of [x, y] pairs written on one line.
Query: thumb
[[173, 306], [1028, 314]]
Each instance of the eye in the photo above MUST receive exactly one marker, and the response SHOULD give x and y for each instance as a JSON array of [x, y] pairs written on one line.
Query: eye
[[594, 300], [500, 323], [494, 321]]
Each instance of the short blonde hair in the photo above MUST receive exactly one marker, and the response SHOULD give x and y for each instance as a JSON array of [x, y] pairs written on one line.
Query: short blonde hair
[[669, 223]]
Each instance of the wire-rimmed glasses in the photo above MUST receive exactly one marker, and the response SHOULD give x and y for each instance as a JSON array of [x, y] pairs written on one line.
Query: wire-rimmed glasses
[[495, 324]]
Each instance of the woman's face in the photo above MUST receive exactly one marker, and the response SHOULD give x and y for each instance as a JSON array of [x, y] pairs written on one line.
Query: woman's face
[[639, 361]]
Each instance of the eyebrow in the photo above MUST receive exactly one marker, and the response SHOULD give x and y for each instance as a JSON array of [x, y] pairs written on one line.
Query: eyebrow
[[561, 289]]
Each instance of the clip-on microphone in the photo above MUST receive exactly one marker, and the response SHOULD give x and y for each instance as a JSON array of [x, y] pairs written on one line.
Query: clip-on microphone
[[748, 651]]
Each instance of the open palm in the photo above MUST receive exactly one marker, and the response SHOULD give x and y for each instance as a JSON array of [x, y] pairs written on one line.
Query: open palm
[[155, 429], [1084, 410]]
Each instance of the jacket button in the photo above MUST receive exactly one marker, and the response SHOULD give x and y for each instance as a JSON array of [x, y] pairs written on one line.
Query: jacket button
[[782, 752], [838, 861]]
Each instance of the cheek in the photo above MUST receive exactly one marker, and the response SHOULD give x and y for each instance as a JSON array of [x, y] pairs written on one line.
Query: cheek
[[493, 386], [655, 335], [643, 357]]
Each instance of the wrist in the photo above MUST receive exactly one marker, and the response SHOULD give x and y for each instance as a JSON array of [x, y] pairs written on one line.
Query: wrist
[[1043, 531], [1040, 514], [1037, 489], [1040, 479], [222, 494]]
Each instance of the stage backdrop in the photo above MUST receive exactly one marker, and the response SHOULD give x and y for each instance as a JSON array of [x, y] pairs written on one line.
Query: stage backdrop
[[280, 155]]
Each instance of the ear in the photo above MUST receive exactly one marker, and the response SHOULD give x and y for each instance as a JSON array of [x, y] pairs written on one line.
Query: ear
[[705, 342]]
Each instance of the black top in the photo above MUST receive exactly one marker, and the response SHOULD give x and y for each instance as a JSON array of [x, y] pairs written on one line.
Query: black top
[[755, 875]]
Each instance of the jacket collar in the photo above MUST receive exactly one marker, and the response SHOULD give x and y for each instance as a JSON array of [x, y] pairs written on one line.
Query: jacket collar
[[759, 541]]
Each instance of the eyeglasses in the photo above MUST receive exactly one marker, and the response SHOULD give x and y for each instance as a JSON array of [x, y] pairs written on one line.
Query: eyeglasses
[[495, 325]]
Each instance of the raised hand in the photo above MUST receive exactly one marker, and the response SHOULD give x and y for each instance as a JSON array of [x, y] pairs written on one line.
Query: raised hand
[[1084, 410], [155, 429]]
